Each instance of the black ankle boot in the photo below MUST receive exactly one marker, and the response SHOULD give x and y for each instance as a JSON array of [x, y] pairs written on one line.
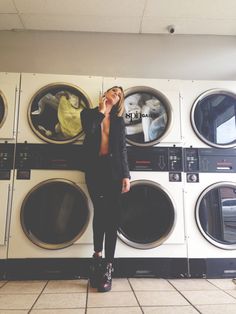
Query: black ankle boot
[[95, 271], [106, 281]]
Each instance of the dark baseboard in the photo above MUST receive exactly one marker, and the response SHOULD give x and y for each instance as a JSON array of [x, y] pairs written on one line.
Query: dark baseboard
[[212, 268], [72, 268]]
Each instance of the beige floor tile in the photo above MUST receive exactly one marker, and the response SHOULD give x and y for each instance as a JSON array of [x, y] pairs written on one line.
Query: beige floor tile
[[14, 312], [96, 299], [231, 292], [66, 286], [114, 310], [209, 297], [225, 284], [2, 283], [17, 301], [150, 298], [170, 310], [59, 301], [59, 311], [144, 284], [192, 284], [118, 284], [217, 309], [23, 287]]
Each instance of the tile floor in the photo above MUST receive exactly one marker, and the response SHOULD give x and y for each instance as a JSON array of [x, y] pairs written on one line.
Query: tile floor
[[131, 296]]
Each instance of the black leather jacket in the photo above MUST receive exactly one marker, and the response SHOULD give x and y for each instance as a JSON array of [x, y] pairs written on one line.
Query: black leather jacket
[[91, 122]]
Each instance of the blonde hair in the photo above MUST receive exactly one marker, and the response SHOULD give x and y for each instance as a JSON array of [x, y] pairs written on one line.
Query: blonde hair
[[120, 106]]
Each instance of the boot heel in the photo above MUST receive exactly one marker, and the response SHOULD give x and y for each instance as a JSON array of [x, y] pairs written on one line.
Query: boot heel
[[95, 271]]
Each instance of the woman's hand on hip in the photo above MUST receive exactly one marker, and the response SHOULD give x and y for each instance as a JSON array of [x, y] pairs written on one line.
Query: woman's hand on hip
[[125, 185]]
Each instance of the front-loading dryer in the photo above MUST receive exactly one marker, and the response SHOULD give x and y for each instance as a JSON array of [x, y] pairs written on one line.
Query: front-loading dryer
[[210, 209], [208, 113], [151, 236], [6, 185], [9, 91], [152, 110], [50, 107], [51, 210]]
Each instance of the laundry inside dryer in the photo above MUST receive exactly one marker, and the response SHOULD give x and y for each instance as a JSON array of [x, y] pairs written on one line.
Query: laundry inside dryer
[[54, 112], [147, 115]]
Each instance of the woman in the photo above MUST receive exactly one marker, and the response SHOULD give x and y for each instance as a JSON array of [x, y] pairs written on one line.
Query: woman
[[107, 176]]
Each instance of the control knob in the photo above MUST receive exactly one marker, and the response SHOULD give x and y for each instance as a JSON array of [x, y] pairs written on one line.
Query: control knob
[[192, 177]]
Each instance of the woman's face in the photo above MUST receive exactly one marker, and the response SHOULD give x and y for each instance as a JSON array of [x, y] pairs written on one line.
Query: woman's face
[[113, 95]]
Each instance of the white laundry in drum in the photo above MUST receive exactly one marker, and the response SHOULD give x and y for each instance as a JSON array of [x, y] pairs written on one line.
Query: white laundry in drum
[[145, 117]]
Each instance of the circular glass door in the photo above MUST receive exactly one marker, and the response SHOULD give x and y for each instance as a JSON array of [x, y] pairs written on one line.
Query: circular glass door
[[55, 214], [148, 215], [3, 109], [213, 118], [54, 113], [147, 116], [216, 214]]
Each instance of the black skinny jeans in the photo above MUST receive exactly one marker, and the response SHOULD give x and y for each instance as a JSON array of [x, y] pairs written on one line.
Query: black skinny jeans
[[105, 193]]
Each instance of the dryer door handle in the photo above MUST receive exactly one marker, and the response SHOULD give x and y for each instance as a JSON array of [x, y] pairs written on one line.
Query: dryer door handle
[[5, 212]]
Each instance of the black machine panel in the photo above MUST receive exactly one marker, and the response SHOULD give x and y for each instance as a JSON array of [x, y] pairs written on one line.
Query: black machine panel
[[6, 160], [155, 159], [46, 156], [209, 160]]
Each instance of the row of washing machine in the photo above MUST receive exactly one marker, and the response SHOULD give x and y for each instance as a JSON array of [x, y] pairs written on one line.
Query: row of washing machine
[[179, 219], [44, 108]]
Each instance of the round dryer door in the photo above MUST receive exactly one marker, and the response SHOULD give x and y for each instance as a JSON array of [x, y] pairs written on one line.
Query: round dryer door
[[55, 214], [216, 214], [213, 118], [54, 113], [147, 116], [3, 109], [148, 215]]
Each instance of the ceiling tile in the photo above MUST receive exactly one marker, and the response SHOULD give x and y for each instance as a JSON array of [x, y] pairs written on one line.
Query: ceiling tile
[[82, 23], [7, 6], [191, 8], [10, 21], [82, 7]]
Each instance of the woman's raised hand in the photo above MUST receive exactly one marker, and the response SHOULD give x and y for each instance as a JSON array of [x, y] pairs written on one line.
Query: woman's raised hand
[[102, 104]]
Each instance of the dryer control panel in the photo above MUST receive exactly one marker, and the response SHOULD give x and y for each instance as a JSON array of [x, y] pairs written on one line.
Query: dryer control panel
[[209, 160], [49, 156], [168, 159], [6, 160]]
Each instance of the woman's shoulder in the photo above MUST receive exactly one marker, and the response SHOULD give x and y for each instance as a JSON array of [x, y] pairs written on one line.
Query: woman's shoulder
[[89, 110]]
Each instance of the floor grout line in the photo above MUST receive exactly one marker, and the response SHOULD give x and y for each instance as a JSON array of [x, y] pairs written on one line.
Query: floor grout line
[[38, 296], [135, 295], [184, 296], [86, 302]]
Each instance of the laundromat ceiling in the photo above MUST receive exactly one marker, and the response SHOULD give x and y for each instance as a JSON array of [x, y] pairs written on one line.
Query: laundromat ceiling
[[198, 17]]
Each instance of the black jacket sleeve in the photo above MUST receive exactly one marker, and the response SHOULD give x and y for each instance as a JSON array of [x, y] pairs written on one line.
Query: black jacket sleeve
[[91, 119]]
